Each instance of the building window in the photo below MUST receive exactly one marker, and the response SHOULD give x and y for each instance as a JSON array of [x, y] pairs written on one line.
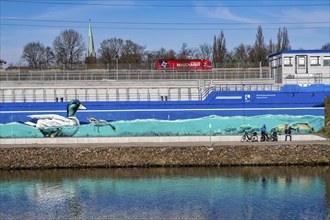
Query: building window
[[326, 61], [301, 61], [274, 63], [288, 61], [315, 61]]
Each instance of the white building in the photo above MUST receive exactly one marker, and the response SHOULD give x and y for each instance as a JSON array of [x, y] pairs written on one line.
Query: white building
[[300, 66]]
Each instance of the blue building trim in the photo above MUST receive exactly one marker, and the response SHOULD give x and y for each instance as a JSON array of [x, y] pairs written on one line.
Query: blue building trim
[[299, 52]]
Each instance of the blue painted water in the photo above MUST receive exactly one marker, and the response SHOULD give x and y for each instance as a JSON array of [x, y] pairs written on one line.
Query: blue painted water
[[167, 193], [211, 125]]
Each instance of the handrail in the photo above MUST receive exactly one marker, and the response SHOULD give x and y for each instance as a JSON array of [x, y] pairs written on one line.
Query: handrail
[[60, 94], [98, 75], [207, 90]]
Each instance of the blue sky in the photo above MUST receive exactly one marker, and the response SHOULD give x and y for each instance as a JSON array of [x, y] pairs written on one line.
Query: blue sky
[[167, 24]]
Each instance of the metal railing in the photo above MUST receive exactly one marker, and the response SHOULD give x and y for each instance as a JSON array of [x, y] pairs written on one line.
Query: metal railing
[[97, 75], [131, 93], [99, 94], [306, 79], [207, 90], [136, 85]]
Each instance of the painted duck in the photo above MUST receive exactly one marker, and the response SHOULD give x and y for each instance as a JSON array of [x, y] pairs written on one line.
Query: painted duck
[[52, 125]]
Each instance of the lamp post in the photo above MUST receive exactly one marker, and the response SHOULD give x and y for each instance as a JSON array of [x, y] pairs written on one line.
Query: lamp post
[[117, 56], [244, 100]]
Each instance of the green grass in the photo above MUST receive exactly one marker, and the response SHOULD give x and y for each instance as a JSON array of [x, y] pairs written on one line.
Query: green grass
[[326, 130]]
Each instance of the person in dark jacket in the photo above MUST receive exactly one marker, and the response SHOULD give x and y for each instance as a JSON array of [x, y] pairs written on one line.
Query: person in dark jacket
[[287, 131], [263, 130]]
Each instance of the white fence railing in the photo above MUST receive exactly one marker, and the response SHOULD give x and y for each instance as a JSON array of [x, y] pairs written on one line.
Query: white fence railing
[[64, 94], [137, 93], [58, 75]]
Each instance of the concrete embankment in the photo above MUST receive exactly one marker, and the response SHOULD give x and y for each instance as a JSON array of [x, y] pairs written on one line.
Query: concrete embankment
[[44, 156]]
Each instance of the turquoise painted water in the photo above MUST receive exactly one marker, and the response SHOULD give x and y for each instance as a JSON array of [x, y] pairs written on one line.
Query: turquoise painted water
[[212, 125], [167, 193]]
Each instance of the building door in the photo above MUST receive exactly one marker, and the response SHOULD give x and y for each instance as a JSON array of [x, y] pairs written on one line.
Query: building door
[[301, 64]]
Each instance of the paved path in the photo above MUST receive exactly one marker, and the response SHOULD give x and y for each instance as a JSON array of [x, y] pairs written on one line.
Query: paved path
[[157, 140]]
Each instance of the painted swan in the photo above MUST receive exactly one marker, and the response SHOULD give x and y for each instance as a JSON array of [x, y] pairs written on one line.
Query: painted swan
[[52, 124]]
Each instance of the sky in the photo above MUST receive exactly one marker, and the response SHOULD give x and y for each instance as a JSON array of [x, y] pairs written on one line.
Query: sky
[[168, 24]]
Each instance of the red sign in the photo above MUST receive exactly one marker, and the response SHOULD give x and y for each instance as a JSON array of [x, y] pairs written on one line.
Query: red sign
[[195, 64]]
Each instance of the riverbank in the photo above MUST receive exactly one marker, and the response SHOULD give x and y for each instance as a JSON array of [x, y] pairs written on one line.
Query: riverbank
[[326, 130], [165, 154]]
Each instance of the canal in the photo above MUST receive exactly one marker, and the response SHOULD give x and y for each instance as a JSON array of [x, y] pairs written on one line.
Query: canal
[[294, 192]]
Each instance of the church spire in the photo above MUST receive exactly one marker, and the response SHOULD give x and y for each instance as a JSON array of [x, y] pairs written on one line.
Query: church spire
[[90, 46]]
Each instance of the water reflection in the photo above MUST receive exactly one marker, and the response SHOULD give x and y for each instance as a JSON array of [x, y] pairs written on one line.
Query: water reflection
[[167, 193]]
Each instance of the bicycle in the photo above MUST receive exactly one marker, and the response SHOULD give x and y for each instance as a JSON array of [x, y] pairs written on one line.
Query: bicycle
[[249, 137], [271, 137]]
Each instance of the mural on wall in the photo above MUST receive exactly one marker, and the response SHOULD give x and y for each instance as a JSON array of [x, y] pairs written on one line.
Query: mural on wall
[[211, 125], [218, 113]]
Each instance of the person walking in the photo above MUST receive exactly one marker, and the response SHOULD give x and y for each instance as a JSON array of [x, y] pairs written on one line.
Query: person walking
[[263, 130], [287, 131]]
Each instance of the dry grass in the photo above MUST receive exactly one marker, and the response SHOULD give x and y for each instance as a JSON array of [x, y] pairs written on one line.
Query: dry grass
[[326, 129]]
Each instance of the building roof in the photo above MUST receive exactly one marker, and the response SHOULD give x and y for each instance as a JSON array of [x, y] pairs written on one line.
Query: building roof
[[299, 52]]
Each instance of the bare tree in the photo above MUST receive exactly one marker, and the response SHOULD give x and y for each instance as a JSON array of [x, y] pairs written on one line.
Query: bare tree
[[34, 54], [219, 50], [110, 49], [240, 55], [279, 41], [259, 53], [162, 53], [2, 62], [283, 42], [215, 51], [171, 54], [205, 51], [49, 57], [150, 56], [285, 39], [194, 53], [326, 46], [185, 52], [132, 52], [69, 48], [271, 47]]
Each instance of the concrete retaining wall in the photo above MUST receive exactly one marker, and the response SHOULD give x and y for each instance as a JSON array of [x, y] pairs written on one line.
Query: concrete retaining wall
[[152, 154]]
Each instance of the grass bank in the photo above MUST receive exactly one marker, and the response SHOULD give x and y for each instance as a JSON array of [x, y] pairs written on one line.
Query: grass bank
[[326, 129]]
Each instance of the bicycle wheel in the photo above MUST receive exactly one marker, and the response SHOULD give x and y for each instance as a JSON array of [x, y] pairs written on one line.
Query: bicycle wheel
[[254, 138], [243, 139]]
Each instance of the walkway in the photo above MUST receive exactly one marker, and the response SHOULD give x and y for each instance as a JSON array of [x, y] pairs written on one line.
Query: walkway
[[228, 139]]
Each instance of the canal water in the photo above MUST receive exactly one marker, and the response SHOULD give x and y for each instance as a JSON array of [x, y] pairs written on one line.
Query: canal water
[[167, 193]]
